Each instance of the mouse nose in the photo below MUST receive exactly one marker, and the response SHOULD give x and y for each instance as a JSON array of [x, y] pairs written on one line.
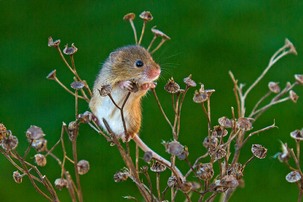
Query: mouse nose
[[153, 73]]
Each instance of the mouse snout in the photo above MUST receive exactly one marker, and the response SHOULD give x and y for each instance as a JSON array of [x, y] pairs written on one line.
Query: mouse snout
[[153, 72]]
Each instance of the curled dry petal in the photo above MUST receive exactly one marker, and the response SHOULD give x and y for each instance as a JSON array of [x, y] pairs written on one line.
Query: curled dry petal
[[189, 82], [297, 134], [77, 85], [291, 47], [299, 78], [52, 75]]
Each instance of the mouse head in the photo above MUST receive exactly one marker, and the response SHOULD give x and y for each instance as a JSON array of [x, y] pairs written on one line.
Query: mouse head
[[134, 63]]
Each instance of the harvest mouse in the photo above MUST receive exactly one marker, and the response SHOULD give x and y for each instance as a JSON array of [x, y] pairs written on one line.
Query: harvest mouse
[[124, 67]]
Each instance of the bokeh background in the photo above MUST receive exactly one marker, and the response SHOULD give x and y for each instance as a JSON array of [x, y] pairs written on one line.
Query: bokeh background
[[209, 38]]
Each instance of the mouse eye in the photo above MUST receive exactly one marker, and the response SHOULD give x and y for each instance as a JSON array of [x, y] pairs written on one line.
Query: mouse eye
[[139, 63]]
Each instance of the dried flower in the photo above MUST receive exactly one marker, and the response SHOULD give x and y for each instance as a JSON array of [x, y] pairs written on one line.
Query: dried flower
[[205, 171], [174, 148], [9, 142], [259, 151], [171, 86], [121, 176], [157, 167], [105, 90], [52, 43], [146, 16], [219, 131], [85, 117], [17, 177], [39, 144], [172, 181], [274, 87], [60, 183], [83, 167], [3, 131], [73, 130], [291, 47], [70, 50], [200, 97], [293, 176], [293, 96], [225, 122], [159, 33], [189, 82], [184, 154], [235, 170], [297, 134], [244, 124], [229, 181], [34, 133], [299, 78], [40, 160], [129, 16], [211, 142], [77, 85], [52, 75], [218, 153], [186, 187], [148, 156]]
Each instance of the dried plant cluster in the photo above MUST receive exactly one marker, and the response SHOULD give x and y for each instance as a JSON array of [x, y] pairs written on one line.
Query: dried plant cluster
[[216, 172]]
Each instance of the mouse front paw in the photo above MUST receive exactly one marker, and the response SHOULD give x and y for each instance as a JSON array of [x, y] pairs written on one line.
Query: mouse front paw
[[128, 85]]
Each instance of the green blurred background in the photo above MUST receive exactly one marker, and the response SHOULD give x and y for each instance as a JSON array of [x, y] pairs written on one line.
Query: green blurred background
[[209, 38]]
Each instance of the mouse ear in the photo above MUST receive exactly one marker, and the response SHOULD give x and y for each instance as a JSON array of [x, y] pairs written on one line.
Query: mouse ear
[[114, 56]]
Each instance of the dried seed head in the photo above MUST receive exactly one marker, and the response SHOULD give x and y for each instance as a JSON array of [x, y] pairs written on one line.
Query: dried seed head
[[200, 97], [297, 134], [244, 124], [3, 132], [211, 142], [205, 171], [129, 16], [146, 16], [83, 167], [219, 131], [229, 181], [60, 183], [121, 176], [70, 50], [40, 160], [186, 187], [274, 87], [159, 33], [148, 156], [293, 96], [184, 154], [73, 130], [157, 167], [299, 78], [77, 85], [34, 133], [9, 142], [172, 181], [174, 148], [105, 90], [293, 176], [17, 177], [189, 82], [52, 43], [218, 153], [52, 75], [171, 86], [225, 122], [291, 47], [235, 170], [86, 117], [40, 145], [259, 151]]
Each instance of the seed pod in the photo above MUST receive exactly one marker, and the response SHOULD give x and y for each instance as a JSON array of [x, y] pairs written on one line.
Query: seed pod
[[157, 167], [205, 171], [60, 183], [34, 133], [9, 142], [171, 86], [189, 82], [83, 167], [70, 50], [40, 160], [105, 90], [17, 177], [121, 176], [244, 124], [274, 87], [259, 151], [293, 176]]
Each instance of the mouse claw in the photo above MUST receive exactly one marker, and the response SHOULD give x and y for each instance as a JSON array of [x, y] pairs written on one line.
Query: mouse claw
[[126, 85]]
